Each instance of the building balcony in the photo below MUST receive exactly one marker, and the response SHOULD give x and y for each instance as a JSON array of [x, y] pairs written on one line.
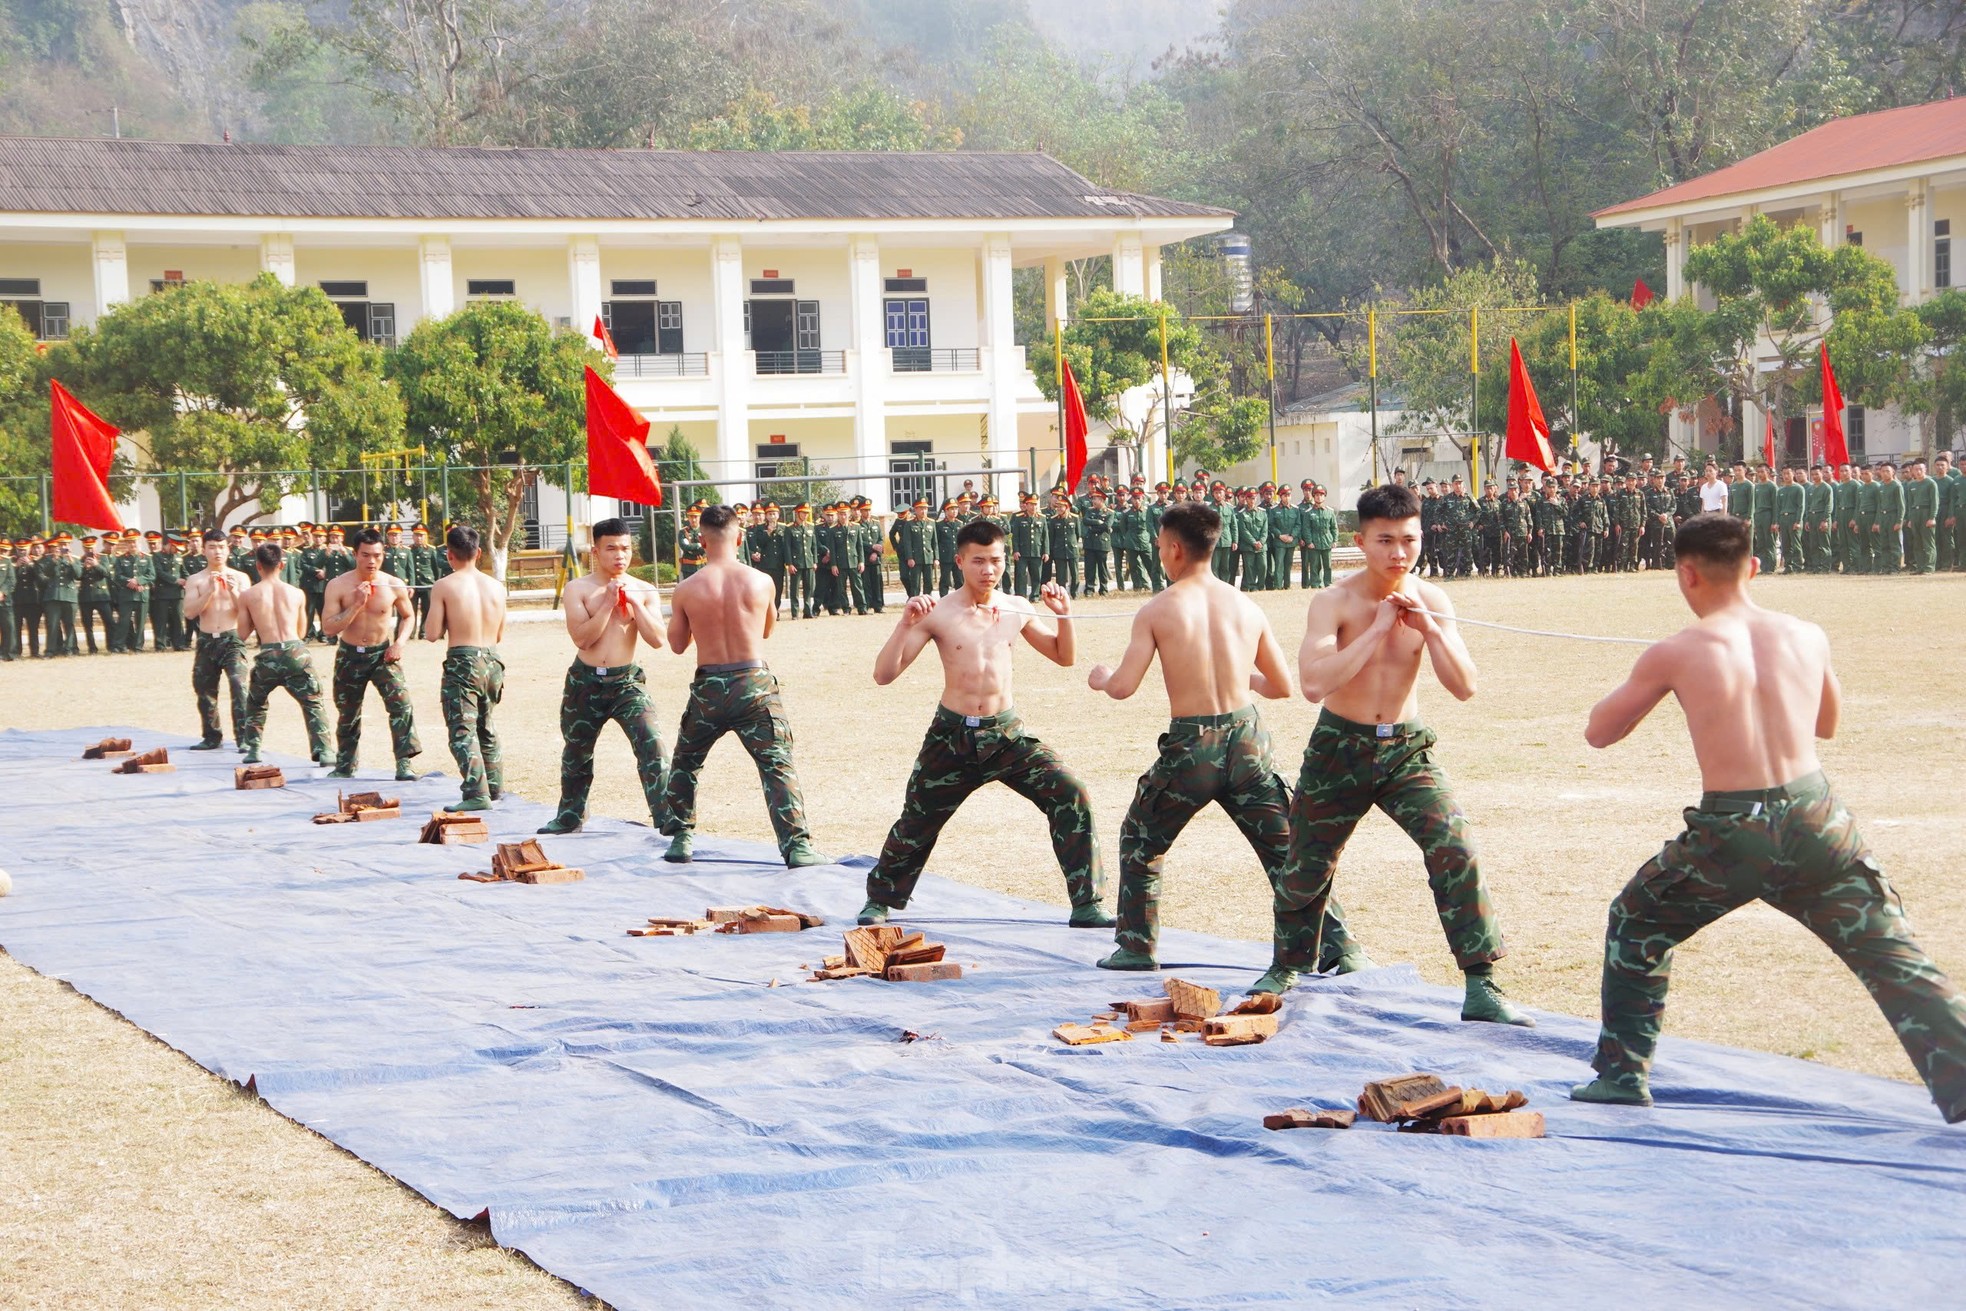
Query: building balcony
[[937, 359], [694, 364], [799, 361]]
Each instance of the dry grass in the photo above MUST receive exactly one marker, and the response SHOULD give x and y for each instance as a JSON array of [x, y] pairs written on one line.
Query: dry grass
[[126, 1162]]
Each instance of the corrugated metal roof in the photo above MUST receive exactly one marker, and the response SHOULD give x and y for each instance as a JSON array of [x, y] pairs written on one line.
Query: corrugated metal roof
[[40, 175], [1859, 144]]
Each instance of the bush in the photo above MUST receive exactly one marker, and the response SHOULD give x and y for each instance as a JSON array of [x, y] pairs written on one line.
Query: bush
[[660, 574]]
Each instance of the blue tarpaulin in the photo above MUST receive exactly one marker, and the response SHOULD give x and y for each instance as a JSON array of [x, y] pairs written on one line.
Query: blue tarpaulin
[[654, 1122]]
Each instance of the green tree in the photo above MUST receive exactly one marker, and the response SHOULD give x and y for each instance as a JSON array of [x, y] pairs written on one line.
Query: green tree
[[249, 384], [865, 117], [1612, 344], [1937, 386], [24, 452], [495, 389], [1782, 287]]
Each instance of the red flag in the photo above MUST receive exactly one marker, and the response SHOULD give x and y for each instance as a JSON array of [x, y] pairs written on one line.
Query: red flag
[[617, 447], [1641, 294], [1075, 428], [1768, 442], [1836, 448], [1528, 432], [83, 447], [606, 338]]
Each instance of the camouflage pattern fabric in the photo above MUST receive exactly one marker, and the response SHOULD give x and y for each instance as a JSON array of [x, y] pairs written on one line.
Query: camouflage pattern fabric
[[744, 702], [1220, 758], [1798, 849], [1348, 769], [219, 653], [594, 698], [961, 753], [355, 669], [474, 682], [286, 664]]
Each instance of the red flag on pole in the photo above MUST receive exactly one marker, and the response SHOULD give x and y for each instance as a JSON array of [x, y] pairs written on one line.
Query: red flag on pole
[[83, 447], [617, 447], [1768, 442], [606, 338], [1528, 437], [1836, 448], [1641, 294], [1075, 428]]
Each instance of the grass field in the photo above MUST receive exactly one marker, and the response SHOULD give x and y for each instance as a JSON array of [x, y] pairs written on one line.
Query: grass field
[[131, 1168]]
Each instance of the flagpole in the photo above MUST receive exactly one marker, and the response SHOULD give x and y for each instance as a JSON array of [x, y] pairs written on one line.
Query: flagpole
[[1270, 362], [1058, 382], [1167, 398], [1576, 413], [1474, 395], [1372, 389]]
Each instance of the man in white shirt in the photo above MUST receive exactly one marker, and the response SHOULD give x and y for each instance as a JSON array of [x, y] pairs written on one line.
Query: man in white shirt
[[1713, 492]]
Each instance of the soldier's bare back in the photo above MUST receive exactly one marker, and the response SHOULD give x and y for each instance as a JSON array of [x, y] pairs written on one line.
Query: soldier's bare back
[[726, 609]]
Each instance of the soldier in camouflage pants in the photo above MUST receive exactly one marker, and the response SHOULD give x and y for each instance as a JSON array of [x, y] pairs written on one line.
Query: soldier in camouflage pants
[[743, 699], [219, 653], [285, 664], [593, 698], [355, 669], [1798, 849], [1348, 769], [1220, 758], [474, 682], [960, 754]]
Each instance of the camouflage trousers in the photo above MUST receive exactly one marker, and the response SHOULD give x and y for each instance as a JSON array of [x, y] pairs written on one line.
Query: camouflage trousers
[[474, 682], [219, 654], [1798, 849], [1220, 758], [1348, 769], [961, 753], [593, 699], [286, 664], [355, 669], [741, 700]]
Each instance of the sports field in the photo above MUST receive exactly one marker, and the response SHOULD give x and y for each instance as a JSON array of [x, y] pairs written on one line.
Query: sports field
[[131, 1167]]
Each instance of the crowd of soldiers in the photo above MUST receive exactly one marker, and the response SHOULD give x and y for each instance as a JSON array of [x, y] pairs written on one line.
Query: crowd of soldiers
[[1854, 519], [1091, 543], [55, 589]]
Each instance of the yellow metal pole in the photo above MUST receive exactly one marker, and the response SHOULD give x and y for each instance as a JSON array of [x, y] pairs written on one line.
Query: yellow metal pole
[[1270, 366], [1372, 391], [1474, 397]]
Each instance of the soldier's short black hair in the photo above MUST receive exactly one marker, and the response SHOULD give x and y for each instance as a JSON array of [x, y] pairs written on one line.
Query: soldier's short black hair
[[1389, 501], [1196, 525], [213, 535], [362, 537], [979, 532], [462, 541], [1717, 541], [614, 528], [268, 556], [719, 518]]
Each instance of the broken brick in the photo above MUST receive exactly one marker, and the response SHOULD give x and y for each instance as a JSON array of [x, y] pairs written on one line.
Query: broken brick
[[928, 972], [1192, 1001], [1158, 1009], [1383, 1097], [1508, 1124], [1080, 1035], [1238, 1030], [1299, 1118], [110, 748]]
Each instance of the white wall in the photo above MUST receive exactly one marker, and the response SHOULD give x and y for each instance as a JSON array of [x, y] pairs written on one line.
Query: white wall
[[67, 273], [817, 273], [680, 273], [539, 276]]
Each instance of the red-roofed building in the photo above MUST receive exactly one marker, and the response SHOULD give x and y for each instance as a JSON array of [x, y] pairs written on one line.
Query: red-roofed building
[[1893, 182]]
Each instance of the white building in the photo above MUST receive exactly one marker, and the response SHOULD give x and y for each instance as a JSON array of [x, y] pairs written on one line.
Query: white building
[[854, 309], [1893, 182], [1328, 439]]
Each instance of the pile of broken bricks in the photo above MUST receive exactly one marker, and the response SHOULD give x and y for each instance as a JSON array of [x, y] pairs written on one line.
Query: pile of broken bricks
[[730, 919], [155, 761], [360, 807], [1187, 1008], [524, 862], [248, 778], [110, 748], [887, 951], [446, 827], [1422, 1103]]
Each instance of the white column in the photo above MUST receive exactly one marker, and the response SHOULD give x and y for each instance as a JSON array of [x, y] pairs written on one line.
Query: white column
[[276, 256], [1675, 259], [1000, 355], [1057, 309], [584, 279], [434, 266], [112, 265], [1152, 254], [733, 366], [1918, 244], [1129, 266], [871, 366], [1830, 216]]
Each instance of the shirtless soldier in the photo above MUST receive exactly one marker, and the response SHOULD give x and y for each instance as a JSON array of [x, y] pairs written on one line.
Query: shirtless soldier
[[1215, 648], [467, 609], [277, 612], [1757, 690], [975, 737], [728, 609], [1361, 657], [211, 597], [368, 612], [606, 612]]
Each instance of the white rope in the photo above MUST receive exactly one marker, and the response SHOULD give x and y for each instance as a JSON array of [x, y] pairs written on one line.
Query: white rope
[[1459, 619]]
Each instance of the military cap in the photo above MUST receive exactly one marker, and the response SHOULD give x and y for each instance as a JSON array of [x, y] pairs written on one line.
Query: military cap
[[1267, 486], [1307, 483], [89, 538], [802, 506], [1456, 478], [288, 532], [1426, 482], [237, 530], [922, 501], [63, 537], [153, 536], [305, 526], [131, 534], [5, 542], [334, 530]]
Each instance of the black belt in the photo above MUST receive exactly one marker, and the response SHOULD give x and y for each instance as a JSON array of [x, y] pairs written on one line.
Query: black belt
[[734, 667]]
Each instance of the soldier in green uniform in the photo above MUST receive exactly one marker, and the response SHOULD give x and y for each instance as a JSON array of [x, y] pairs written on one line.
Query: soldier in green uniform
[[94, 596], [1318, 524], [1942, 532], [1252, 541], [396, 554], [1286, 528], [1131, 542], [869, 576], [314, 578], [916, 554], [1791, 506], [1154, 508], [423, 572], [9, 587], [764, 550], [1740, 493], [1489, 547], [1552, 521], [836, 558], [1433, 533], [798, 550], [367, 612], [1764, 517], [1519, 530], [1660, 504], [167, 596], [1957, 481], [1223, 562], [1460, 529], [1595, 525], [1098, 530], [947, 578], [1819, 521], [1843, 505], [1065, 543], [1921, 496], [1030, 543], [238, 551], [1888, 552], [1863, 527], [61, 584], [130, 574], [689, 542]]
